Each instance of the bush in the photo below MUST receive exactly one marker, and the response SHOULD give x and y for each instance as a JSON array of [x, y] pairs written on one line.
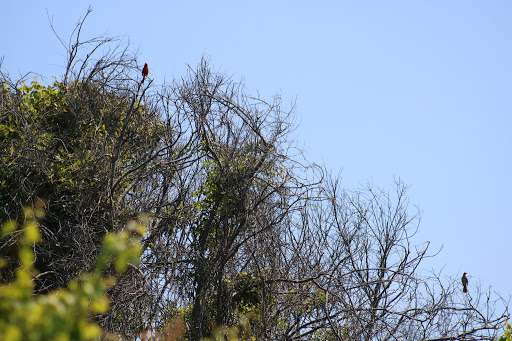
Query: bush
[[62, 314]]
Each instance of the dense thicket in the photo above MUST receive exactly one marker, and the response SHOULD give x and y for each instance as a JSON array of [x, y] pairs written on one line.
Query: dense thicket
[[240, 225]]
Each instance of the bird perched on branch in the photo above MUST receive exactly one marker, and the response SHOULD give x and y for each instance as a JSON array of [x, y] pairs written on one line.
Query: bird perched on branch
[[145, 71], [464, 280]]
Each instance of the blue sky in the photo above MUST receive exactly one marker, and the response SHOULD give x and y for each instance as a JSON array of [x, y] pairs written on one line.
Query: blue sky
[[420, 90]]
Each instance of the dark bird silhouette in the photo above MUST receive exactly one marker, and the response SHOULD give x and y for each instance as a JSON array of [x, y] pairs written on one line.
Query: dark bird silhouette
[[464, 280]]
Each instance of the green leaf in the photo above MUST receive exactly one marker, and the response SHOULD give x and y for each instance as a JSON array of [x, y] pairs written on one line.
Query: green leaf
[[9, 227]]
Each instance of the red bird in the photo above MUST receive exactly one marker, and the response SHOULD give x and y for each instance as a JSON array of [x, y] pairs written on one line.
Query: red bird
[[145, 71]]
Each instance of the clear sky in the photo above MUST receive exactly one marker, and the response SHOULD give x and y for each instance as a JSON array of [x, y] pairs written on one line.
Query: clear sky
[[420, 90]]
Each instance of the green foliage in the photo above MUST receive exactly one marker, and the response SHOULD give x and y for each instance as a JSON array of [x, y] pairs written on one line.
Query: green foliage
[[62, 314], [63, 142], [507, 336], [59, 138], [247, 295], [242, 331]]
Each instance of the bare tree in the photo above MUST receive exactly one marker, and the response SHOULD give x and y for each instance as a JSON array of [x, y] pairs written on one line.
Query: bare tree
[[242, 170], [346, 268]]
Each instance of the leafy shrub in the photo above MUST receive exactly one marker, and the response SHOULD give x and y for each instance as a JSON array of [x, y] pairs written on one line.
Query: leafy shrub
[[62, 314]]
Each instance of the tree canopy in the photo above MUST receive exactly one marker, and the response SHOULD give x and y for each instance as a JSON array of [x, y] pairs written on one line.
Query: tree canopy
[[242, 229]]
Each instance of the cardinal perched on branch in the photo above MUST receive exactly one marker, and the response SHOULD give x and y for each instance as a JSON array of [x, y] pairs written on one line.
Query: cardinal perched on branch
[[464, 283], [145, 71]]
